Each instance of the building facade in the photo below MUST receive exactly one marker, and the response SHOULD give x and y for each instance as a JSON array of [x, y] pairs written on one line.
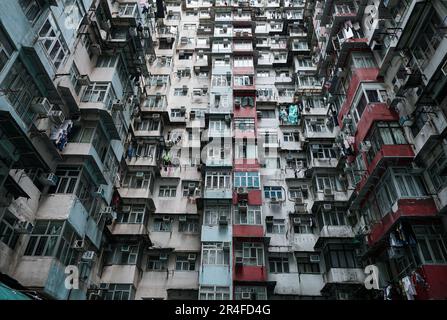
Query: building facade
[[236, 150]]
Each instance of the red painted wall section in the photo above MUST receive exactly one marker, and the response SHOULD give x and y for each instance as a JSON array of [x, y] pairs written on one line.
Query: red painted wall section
[[246, 164], [254, 198], [436, 277], [405, 208], [373, 112], [244, 70], [244, 112], [252, 231], [391, 151], [250, 273], [358, 76]]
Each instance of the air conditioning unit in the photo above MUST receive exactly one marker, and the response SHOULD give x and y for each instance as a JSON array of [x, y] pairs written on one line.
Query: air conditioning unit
[[327, 207], [246, 296], [223, 220], [328, 192], [49, 179], [125, 248], [182, 218], [88, 256], [139, 174], [23, 227], [274, 200], [41, 105], [57, 117], [163, 256], [242, 190], [118, 105], [79, 245], [192, 256], [300, 164], [298, 200], [239, 261], [83, 80], [296, 220], [226, 246], [156, 116], [100, 192], [347, 120], [125, 209], [314, 258], [166, 219], [159, 82]]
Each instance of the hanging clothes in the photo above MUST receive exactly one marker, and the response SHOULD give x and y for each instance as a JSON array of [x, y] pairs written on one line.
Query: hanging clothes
[[409, 288]]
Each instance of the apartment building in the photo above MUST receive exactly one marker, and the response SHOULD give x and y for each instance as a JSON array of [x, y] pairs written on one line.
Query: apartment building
[[211, 149]]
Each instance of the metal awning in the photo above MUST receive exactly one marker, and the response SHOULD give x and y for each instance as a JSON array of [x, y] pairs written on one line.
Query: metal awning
[[14, 188], [6, 293], [29, 155]]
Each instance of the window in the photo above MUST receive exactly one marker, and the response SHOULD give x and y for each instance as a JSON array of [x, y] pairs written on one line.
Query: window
[[305, 265], [31, 9], [398, 183], [20, 89], [157, 263], [123, 254], [246, 179], [339, 256], [119, 292], [384, 133], [316, 125], [328, 182], [428, 39], [243, 80], [213, 213], [185, 55], [106, 61], [215, 253], [214, 293], [158, 79], [436, 169], [74, 78], [100, 92], [162, 224], [363, 60], [218, 180], [252, 253], [7, 234], [323, 151], [74, 13], [243, 61], [138, 180], [291, 137], [53, 238], [53, 42], [244, 101], [305, 225], [148, 125], [252, 216], [430, 243], [127, 9], [180, 92], [334, 217], [185, 262], [134, 215], [268, 114], [277, 226], [273, 192], [67, 179], [255, 293], [299, 192], [6, 48], [279, 264], [191, 225]]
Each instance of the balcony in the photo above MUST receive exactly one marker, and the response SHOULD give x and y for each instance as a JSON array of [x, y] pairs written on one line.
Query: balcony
[[126, 230], [184, 172], [123, 274], [416, 207], [430, 132]]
